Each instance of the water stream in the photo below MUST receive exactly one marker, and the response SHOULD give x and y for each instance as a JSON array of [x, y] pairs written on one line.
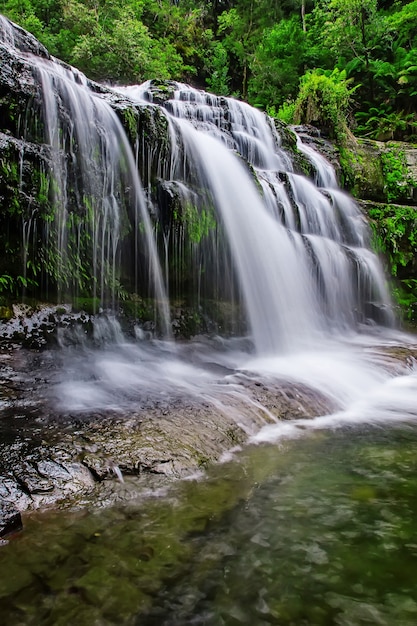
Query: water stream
[[315, 522]]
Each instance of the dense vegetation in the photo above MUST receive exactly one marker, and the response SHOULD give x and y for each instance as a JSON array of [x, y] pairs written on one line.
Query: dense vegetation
[[358, 56]]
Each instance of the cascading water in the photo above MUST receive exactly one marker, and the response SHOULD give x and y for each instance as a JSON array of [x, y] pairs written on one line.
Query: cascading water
[[94, 185], [226, 217], [299, 251]]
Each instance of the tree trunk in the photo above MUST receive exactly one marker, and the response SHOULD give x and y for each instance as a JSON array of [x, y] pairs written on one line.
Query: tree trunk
[[303, 15]]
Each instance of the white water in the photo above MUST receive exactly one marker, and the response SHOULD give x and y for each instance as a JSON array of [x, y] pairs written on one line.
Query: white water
[[324, 175], [94, 183], [307, 277], [297, 309], [299, 251], [371, 397]]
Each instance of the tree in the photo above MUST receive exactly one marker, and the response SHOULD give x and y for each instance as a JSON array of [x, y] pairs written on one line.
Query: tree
[[278, 62], [240, 29], [324, 100], [119, 48], [350, 29]]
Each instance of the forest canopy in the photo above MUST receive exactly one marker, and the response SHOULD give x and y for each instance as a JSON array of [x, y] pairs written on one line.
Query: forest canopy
[[283, 56]]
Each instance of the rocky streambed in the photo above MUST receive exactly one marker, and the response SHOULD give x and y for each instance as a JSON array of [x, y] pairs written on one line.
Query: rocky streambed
[[88, 424], [50, 456]]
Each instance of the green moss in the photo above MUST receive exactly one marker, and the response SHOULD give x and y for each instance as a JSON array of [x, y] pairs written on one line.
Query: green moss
[[139, 308], [162, 90], [398, 179], [405, 293], [130, 119], [199, 223], [362, 172], [6, 312], [376, 171], [88, 305]]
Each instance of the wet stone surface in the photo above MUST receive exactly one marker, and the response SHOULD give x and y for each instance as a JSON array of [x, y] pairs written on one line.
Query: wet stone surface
[[54, 455], [50, 457]]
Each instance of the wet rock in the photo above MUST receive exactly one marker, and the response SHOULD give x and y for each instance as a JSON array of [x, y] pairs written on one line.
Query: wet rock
[[161, 90], [10, 520], [31, 482], [311, 135], [46, 325], [49, 458], [21, 39], [53, 458]]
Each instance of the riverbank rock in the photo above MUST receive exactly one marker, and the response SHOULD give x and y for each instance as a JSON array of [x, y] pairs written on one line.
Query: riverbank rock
[[49, 457], [10, 519], [53, 457]]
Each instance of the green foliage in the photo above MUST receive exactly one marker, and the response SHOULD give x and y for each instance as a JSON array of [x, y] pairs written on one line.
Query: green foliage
[[13, 285], [383, 123], [218, 70], [377, 49], [398, 179], [323, 100], [278, 63], [255, 49], [350, 26], [285, 112], [395, 234], [125, 52], [6, 283]]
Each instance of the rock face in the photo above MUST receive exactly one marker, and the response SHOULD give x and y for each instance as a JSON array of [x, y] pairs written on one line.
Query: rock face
[[383, 176], [381, 171]]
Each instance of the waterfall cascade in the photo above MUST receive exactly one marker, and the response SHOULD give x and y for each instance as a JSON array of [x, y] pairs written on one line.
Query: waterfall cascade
[[299, 251], [232, 220], [92, 181]]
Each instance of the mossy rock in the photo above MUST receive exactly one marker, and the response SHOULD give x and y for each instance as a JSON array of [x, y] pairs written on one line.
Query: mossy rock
[[162, 90], [138, 308], [87, 305], [378, 171], [6, 312], [362, 172]]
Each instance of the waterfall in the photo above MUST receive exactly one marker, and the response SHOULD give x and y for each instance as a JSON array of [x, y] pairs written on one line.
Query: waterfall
[[210, 208], [224, 215], [94, 184], [299, 248]]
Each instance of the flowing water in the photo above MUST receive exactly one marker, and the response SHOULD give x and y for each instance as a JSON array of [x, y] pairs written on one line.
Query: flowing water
[[315, 522], [300, 252]]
